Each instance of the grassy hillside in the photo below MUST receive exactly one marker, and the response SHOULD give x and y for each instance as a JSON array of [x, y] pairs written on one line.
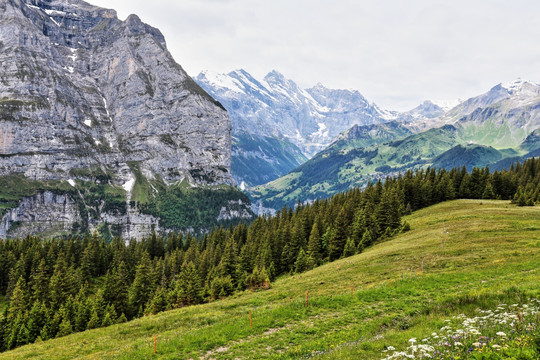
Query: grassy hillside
[[491, 255]]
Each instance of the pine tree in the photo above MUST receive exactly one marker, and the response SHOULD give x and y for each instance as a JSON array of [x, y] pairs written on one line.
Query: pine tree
[[95, 321], [36, 321], [221, 287], [15, 274], [107, 321], [39, 282], [3, 330], [59, 285], [65, 328], [18, 301], [158, 303], [227, 265], [314, 247], [350, 248], [338, 237], [83, 314], [121, 319], [142, 288], [301, 263], [23, 336], [488, 193], [188, 286], [367, 240]]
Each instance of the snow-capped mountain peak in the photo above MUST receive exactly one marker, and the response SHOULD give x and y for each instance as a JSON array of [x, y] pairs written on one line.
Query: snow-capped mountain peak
[[277, 106], [521, 87], [446, 104], [220, 80]]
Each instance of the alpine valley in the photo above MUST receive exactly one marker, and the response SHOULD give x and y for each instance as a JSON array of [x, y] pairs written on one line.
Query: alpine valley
[[494, 129], [128, 192], [100, 129]]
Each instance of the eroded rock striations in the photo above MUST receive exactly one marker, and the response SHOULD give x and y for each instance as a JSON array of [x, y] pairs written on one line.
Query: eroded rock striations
[[82, 92]]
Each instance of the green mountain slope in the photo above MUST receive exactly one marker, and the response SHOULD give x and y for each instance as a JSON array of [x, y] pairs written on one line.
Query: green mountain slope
[[353, 161], [364, 136], [532, 142], [340, 167], [469, 156], [356, 306]]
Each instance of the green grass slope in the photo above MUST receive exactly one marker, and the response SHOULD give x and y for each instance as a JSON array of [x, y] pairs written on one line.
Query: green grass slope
[[490, 255]]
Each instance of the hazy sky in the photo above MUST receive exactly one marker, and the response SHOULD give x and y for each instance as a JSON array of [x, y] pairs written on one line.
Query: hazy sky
[[396, 53]]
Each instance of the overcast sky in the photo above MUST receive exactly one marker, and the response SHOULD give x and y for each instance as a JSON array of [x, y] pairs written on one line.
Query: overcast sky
[[396, 53]]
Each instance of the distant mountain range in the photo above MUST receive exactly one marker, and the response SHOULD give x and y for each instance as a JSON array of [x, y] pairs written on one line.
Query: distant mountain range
[[495, 128], [277, 125]]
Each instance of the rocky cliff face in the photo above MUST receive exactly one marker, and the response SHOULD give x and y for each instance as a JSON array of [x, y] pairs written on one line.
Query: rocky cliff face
[[82, 90]]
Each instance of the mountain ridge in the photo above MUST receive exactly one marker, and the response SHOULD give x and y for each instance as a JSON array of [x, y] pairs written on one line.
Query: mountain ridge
[[506, 127]]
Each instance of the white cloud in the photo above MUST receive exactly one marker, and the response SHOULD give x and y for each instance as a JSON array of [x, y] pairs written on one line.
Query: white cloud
[[397, 53]]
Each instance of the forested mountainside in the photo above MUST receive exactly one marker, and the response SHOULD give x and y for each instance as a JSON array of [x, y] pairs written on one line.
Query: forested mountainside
[[53, 287]]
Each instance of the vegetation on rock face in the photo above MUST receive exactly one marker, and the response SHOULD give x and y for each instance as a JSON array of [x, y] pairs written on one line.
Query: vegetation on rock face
[[83, 284], [179, 207]]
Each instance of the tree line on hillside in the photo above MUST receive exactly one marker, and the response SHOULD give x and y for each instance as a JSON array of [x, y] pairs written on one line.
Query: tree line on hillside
[[59, 286]]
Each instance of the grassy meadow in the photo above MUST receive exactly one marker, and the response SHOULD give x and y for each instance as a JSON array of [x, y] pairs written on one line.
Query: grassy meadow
[[474, 254]]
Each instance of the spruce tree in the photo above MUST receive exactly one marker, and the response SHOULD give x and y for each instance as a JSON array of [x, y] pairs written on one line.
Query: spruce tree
[[3, 330], [314, 247], [158, 303], [36, 321], [338, 237], [489, 192], [40, 282], [65, 328], [188, 286], [59, 285], [350, 248], [18, 302], [142, 287], [301, 263]]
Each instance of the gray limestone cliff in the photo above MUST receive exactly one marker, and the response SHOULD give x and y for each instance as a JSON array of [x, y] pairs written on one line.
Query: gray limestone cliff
[[82, 92]]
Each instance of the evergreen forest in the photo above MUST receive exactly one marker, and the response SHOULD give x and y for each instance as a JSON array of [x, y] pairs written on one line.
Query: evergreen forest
[[54, 287]]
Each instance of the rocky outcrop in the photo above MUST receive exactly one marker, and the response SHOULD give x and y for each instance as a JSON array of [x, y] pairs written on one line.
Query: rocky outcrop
[[46, 212], [235, 210], [81, 89]]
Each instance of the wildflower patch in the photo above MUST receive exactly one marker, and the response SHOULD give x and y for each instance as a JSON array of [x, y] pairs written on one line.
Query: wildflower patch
[[509, 331]]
